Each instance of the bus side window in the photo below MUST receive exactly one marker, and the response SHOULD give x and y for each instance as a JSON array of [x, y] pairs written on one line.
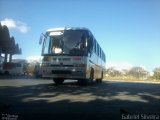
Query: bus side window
[[100, 53], [102, 56], [97, 49], [95, 46], [90, 43]]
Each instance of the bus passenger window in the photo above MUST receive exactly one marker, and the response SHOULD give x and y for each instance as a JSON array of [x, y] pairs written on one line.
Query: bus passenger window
[[95, 47], [90, 44]]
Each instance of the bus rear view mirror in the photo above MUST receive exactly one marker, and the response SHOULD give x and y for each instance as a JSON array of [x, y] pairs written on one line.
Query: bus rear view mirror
[[41, 38]]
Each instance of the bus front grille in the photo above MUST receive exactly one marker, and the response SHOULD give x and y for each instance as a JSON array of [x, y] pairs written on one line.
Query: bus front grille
[[57, 65], [61, 72]]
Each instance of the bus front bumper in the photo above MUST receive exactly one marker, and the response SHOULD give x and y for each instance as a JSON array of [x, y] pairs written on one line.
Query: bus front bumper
[[74, 73]]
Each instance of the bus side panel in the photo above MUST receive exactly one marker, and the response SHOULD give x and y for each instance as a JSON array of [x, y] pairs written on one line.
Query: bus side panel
[[97, 65], [92, 65]]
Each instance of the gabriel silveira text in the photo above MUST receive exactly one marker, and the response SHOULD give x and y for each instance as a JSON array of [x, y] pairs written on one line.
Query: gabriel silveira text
[[140, 116]]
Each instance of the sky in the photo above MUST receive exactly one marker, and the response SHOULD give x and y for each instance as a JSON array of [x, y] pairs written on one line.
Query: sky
[[128, 31]]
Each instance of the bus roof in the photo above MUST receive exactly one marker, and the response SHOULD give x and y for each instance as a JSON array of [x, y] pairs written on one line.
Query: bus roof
[[67, 28]]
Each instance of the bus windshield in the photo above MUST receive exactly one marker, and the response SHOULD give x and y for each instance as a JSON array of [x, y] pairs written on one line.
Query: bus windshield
[[70, 42]]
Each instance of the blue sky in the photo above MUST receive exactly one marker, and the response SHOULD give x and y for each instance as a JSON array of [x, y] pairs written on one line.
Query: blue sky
[[127, 30]]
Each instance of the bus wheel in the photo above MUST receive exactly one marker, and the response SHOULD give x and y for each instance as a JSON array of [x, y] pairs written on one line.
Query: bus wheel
[[58, 81], [88, 81], [101, 76], [91, 76]]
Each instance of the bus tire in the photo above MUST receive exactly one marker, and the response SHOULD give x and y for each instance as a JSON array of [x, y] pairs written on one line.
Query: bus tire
[[83, 82], [58, 81], [91, 76], [101, 76]]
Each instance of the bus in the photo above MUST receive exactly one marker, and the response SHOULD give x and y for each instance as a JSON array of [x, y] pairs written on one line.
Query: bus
[[1, 64], [72, 53], [16, 67]]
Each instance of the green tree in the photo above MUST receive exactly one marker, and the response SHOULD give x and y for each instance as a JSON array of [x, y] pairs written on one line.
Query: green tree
[[156, 72], [4, 39], [0, 39], [7, 44], [11, 50]]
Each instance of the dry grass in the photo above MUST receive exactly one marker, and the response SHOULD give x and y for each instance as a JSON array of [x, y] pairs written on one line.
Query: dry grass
[[132, 79]]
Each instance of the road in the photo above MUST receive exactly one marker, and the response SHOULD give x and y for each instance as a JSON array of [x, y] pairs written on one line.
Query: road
[[37, 99]]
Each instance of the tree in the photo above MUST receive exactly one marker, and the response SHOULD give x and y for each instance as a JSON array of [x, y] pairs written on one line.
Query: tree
[[7, 44], [0, 39], [5, 37], [138, 72], [11, 48], [111, 72], [156, 74]]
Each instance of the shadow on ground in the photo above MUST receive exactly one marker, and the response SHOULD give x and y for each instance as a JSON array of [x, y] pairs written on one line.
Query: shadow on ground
[[107, 100]]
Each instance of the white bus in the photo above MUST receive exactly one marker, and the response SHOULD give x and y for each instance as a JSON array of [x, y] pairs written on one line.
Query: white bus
[[16, 67], [72, 53], [1, 64]]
